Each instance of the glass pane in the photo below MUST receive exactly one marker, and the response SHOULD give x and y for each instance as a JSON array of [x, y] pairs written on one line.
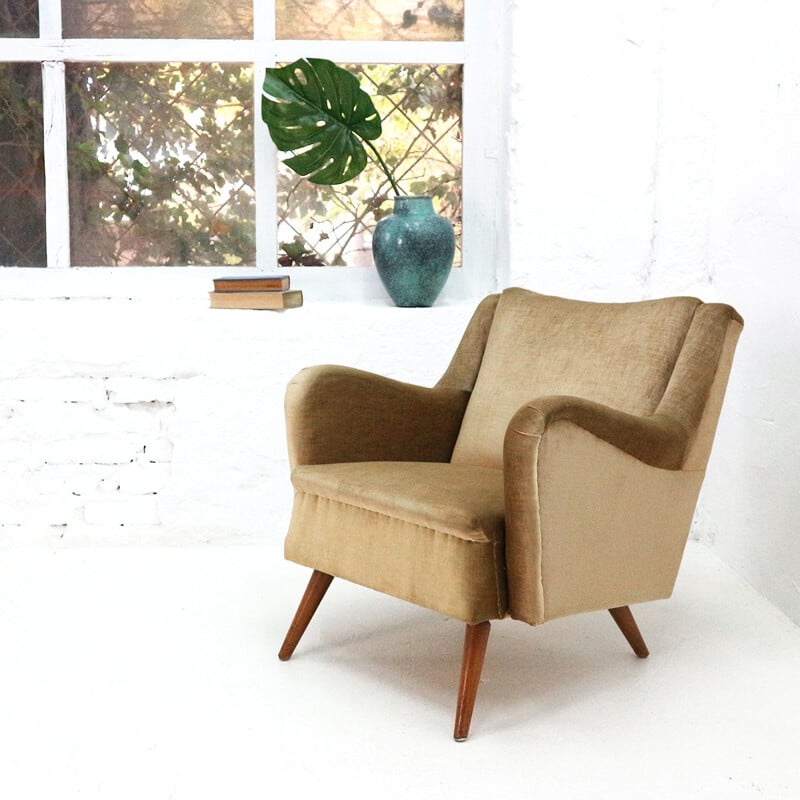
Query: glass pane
[[19, 18], [161, 164], [380, 20], [420, 106], [22, 231], [158, 19]]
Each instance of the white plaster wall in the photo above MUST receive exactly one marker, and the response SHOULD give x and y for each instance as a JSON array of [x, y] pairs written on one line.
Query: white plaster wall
[[583, 135], [752, 500], [653, 150], [656, 150]]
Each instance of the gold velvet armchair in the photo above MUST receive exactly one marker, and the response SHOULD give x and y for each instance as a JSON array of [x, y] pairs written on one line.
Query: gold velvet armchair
[[554, 469]]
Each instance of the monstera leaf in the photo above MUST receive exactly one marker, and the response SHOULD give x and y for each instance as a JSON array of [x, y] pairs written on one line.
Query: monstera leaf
[[318, 111]]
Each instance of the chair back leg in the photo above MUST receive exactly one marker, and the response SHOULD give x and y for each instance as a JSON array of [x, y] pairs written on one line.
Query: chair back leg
[[630, 630]]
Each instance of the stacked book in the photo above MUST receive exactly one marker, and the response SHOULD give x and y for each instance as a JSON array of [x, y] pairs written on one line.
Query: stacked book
[[255, 291]]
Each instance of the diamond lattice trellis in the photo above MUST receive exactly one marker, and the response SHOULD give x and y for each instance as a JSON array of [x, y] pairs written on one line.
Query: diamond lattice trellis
[[158, 19], [22, 201], [161, 164], [421, 110], [381, 20], [19, 18]]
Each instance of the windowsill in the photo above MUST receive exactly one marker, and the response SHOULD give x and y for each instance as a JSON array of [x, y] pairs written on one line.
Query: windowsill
[[332, 284]]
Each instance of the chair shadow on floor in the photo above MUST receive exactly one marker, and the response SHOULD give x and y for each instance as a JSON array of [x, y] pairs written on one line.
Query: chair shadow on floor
[[530, 671]]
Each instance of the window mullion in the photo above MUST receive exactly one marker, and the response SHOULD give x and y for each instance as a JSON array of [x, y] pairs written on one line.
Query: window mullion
[[55, 163], [49, 19], [138, 51], [264, 153], [485, 157], [265, 158], [367, 52], [264, 21]]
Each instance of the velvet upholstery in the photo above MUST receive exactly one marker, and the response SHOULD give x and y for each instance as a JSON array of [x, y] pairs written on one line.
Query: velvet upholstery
[[619, 355], [393, 526], [553, 469], [338, 414]]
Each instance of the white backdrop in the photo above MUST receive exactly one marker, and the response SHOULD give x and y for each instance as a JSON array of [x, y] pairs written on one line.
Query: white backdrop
[[654, 149]]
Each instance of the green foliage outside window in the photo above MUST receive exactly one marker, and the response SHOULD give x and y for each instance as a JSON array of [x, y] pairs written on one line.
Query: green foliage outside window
[[22, 206], [161, 164], [160, 156]]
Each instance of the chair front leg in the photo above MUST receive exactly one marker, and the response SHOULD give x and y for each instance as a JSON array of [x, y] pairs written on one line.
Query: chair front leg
[[630, 630], [475, 639], [315, 591]]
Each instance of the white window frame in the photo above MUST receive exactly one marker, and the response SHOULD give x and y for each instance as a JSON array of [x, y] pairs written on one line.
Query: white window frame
[[484, 53]]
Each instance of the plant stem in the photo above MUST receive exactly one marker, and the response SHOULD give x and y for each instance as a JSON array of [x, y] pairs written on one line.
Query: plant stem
[[383, 166]]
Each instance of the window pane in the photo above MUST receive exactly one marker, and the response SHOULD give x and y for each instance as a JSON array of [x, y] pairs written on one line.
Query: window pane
[[381, 20], [19, 18], [161, 164], [420, 106], [22, 231], [158, 19]]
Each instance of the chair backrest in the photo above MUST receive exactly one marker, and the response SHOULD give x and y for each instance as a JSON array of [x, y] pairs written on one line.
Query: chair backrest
[[634, 357]]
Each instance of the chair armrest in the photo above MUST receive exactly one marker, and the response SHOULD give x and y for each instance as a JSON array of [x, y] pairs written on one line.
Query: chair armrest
[[597, 507], [657, 440], [337, 414]]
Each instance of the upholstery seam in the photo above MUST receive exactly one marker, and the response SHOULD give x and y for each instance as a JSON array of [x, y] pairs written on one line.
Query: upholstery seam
[[693, 438], [699, 304], [487, 540], [540, 538], [495, 546]]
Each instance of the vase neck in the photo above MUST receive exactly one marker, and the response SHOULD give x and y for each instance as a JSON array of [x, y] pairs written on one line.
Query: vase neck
[[413, 205]]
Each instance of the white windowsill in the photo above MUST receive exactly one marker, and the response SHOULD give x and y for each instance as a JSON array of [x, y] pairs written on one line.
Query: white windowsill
[[320, 284]]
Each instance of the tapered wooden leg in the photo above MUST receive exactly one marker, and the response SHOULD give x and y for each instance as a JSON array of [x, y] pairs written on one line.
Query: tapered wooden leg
[[314, 593], [475, 639], [630, 630]]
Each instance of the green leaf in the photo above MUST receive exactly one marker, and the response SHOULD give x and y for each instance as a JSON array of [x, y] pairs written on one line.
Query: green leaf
[[318, 111]]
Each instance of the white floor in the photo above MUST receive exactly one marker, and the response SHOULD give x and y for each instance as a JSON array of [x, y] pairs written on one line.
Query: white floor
[[151, 673]]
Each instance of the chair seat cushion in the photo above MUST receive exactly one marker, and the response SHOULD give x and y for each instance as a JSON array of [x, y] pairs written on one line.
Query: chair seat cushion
[[429, 533]]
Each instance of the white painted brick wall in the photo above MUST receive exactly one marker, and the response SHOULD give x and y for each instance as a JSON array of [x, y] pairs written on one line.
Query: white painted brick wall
[[123, 510], [139, 390], [154, 421], [75, 390]]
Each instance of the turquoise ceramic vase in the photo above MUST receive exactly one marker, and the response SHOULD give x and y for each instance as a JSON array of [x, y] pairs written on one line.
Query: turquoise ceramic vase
[[413, 250]]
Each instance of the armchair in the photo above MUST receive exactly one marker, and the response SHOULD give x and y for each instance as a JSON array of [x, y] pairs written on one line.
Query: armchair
[[553, 469]]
